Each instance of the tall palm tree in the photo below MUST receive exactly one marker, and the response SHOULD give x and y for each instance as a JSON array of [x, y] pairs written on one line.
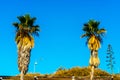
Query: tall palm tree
[[94, 38], [25, 29]]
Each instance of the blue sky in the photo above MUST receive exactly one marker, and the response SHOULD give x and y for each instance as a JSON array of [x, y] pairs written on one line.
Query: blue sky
[[61, 23]]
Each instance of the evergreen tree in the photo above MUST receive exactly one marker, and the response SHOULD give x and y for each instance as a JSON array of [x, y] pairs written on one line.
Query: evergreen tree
[[110, 59]]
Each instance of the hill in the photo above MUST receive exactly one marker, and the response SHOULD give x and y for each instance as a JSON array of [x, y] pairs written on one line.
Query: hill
[[67, 74]]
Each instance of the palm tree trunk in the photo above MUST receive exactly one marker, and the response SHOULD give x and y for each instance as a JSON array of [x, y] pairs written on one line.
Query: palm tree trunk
[[23, 60], [92, 64], [22, 75], [92, 73]]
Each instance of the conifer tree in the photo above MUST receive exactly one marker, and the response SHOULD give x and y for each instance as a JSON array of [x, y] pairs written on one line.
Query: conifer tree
[[110, 59]]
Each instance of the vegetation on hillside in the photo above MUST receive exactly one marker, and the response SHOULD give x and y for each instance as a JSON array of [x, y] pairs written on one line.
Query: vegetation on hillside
[[78, 71], [81, 73]]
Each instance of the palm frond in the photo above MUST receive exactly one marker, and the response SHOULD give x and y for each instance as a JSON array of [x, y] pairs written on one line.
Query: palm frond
[[99, 38], [17, 34], [94, 24], [32, 41], [84, 35], [86, 27], [27, 17], [87, 41], [35, 30], [21, 19], [31, 21], [36, 34], [100, 31], [15, 24]]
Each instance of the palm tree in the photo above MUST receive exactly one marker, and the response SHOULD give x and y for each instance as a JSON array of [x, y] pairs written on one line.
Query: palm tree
[[94, 38], [25, 29]]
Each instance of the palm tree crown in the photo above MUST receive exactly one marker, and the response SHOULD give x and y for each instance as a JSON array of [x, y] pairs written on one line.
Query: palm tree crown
[[26, 27], [93, 33]]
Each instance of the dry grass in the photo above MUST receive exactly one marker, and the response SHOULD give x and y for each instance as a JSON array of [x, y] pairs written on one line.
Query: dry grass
[[64, 78]]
